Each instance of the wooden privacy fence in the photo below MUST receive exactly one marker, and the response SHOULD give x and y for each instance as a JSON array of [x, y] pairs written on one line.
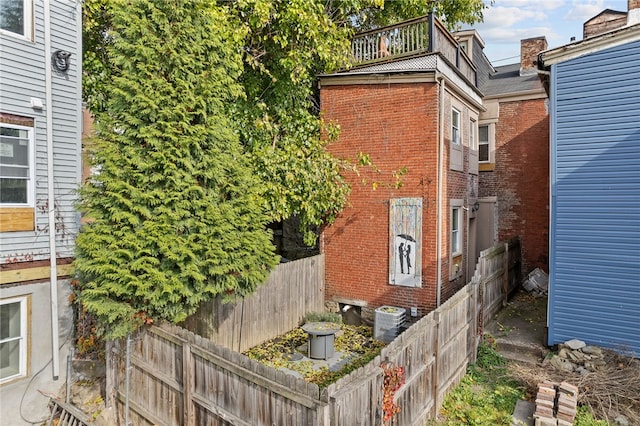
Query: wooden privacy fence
[[499, 269], [179, 378], [292, 290]]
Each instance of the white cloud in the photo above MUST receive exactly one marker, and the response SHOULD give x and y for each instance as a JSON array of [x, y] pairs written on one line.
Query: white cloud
[[509, 16], [584, 10], [540, 4]]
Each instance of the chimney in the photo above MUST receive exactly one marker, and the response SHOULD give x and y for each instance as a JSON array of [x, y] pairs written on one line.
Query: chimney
[[633, 15], [529, 49]]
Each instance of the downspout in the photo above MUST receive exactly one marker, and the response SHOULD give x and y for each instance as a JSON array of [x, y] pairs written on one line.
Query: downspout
[[440, 80], [51, 193]]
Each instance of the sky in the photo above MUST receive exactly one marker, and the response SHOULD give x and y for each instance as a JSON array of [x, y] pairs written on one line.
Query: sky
[[509, 21]]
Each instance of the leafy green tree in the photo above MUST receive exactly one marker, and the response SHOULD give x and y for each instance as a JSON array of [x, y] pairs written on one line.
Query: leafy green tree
[[286, 44], [177, 213], [209, 127]]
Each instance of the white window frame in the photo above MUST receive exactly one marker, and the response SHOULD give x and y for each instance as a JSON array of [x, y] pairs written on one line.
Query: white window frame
[[31, 165], [473, 124], [28, 22], [491, 142], [22, 338], [456, 136], [482, 143], [456, 233]]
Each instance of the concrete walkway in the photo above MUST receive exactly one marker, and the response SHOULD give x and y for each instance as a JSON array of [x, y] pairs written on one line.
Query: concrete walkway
[[520, 328]]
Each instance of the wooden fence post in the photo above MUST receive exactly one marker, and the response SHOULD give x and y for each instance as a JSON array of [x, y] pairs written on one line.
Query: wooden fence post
[[187, 384], [434, 371], [505, 274], [111, 374]]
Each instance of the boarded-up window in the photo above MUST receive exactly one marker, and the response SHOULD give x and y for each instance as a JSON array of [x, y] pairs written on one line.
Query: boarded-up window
[[405, 242]]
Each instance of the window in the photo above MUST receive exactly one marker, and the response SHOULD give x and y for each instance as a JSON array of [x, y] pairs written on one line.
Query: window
[[483, 142], [472, 135], [15, 17], [16, 171], [455, 126], [13, 338], [464, 45], [456, 236]]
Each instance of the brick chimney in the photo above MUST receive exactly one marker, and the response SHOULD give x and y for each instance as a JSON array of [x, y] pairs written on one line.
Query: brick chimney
[[529, 49], [633, 14]]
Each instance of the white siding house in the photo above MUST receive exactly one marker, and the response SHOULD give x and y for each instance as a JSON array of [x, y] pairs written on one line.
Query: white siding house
[[40, 169]]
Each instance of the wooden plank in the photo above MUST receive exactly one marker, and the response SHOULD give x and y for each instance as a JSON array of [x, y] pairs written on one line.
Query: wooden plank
[[28, 274], [14, 219], [272, 385], [143, 411], [187, 385], [218, 411], [155, 372]]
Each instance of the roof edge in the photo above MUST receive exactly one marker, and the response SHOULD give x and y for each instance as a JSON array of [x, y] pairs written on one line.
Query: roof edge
[[590, 45]]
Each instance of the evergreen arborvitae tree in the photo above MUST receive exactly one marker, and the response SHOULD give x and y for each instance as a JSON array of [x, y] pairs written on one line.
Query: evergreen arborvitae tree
[[177, 215]]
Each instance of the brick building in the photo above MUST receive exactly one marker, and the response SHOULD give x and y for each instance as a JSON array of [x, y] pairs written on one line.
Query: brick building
[[514, 157], [405, 245]]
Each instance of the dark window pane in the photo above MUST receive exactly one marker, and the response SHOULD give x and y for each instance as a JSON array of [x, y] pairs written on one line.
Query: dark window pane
[[13, 190], [484, 134], [483, 152], [12, 16]]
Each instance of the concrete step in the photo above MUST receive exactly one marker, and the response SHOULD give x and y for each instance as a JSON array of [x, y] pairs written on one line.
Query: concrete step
[[526, 352], [523, 413]]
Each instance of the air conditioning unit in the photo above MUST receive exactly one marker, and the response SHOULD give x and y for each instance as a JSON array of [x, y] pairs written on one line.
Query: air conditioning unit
[[387, 323]]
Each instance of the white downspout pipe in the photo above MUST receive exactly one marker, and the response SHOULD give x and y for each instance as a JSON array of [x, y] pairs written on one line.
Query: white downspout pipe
[[51, 207], [440, 190]]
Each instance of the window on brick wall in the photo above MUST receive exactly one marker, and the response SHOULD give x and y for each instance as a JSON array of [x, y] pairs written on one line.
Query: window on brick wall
[[455, 126], [456, 234], [486, 146], [456, 230], [483, 143]]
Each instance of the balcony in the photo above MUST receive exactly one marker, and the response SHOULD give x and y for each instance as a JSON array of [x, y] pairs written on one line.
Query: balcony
[[394, 41], [408, 39]]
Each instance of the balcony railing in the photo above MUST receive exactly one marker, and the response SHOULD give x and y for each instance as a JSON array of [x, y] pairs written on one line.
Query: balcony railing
[[404, 39]]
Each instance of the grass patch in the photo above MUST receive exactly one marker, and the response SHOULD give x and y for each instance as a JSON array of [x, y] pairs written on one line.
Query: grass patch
[[486, 395]]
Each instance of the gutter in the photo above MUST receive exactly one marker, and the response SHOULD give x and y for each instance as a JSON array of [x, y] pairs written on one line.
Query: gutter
[[441, 81], [55, 362]]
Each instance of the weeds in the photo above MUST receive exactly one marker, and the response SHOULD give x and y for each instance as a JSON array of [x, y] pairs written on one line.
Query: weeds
[[357, 342], [485, 396]]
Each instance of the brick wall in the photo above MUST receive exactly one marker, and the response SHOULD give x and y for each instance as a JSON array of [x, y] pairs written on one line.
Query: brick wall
[[521, 179], [397, 125], [529, 49]]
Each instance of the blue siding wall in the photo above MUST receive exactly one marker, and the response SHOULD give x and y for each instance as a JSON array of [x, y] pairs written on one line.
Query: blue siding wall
[[595, 206]]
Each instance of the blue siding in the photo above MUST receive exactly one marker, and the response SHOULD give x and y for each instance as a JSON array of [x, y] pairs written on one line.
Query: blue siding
[[595, 199]]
